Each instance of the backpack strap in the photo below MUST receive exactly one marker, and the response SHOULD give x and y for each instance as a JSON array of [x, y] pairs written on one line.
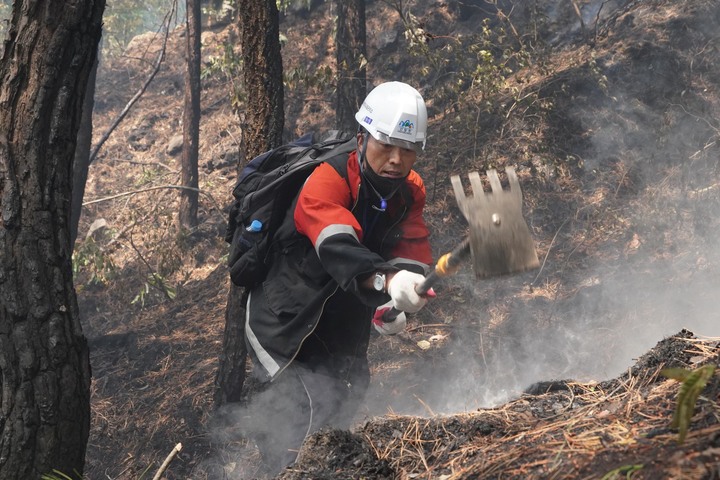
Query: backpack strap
[[339, 152], [339, 163]]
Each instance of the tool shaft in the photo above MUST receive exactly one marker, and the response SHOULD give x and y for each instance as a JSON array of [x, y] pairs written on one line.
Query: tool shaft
[[446, 265]]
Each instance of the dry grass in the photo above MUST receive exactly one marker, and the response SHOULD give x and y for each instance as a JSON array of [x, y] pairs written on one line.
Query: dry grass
[[579, 431]]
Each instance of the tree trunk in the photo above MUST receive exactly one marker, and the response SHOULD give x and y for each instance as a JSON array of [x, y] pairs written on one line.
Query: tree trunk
[[350, 58], [262, 77], [81, 162], [44, 361], [191, 120], [231, 375], [262, 130]]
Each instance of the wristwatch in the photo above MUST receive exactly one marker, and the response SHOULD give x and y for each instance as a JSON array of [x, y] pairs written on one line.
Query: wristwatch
[[379, 282]]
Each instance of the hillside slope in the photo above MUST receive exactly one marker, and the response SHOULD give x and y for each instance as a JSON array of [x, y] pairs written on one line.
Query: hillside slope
[[614, 134]]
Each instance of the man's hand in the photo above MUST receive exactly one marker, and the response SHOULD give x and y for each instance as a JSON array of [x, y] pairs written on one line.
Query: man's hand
[[401, 288], [388, 328]]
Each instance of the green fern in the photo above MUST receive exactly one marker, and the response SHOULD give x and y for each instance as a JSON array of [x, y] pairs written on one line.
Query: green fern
[[693, 382]]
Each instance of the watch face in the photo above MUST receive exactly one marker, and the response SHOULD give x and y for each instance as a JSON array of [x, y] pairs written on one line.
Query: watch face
[[379, 282]]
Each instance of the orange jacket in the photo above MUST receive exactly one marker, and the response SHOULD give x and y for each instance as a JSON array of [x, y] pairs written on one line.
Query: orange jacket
[[329, 213]]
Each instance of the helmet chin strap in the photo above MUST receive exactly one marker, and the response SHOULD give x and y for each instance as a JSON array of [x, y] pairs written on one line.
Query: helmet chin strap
[[361, 153]]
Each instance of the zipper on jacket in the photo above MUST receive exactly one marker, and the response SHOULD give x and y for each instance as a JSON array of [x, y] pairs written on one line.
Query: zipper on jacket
[[322, 310], [315, 322], [399, 220]]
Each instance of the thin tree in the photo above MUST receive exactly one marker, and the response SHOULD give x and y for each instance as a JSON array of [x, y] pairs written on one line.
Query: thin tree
[[262, 130], [187, 217], [44, 362], [262, 77], [81, 162], [350, 41]]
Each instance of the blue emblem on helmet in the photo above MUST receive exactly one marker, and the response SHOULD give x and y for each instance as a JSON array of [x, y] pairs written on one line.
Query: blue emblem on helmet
[[406, 127]]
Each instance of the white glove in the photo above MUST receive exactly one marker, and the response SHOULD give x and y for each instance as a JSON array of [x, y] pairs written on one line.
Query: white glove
[[388, 328], [402, 291]]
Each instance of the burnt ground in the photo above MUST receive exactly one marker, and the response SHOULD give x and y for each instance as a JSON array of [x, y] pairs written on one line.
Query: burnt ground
[[553, 373]]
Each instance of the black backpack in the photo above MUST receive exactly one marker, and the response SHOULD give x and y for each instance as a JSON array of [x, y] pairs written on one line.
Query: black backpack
[[262, 197]]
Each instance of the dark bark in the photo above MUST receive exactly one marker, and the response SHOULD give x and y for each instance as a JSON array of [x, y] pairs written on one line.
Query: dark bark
[[81, 162], [350, 41], [191, 120], [262, 130], [44, 361], [231, 375], [262, 77]]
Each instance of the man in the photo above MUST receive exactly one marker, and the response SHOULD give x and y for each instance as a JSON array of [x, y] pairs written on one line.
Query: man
[[356, 241]]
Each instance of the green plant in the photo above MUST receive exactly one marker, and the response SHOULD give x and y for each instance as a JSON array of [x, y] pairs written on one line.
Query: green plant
[[597, 73], [125, 19], [223, 8], [693, 382], [477, 64], [57, 475], [228, 66], [157, 282], [626, 470], [301, 77], [166, 256], [90, 259]]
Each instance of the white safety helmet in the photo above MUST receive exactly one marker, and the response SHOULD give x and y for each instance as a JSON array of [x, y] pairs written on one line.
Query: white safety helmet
[[394, 113]]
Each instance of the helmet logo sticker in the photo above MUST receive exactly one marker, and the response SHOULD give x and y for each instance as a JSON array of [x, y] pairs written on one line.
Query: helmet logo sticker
[[367, 120], [406, 127]]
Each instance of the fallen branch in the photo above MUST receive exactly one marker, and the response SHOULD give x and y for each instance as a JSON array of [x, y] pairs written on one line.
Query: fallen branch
[[701, 191], [133, 192], [148, 189], [129, 227], [429, 325], [167, 461], [137, 96]]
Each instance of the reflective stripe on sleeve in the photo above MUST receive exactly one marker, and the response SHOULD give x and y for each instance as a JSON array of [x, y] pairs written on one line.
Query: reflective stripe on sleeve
[[332, 230], [408, 261]]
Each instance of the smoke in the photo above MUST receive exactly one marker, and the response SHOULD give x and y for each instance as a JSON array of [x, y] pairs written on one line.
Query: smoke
[[594, 333], [635, 261], [240, 430], [268, 430]]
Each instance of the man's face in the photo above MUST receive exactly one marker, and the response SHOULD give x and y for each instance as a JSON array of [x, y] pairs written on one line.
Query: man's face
[[387, 160]]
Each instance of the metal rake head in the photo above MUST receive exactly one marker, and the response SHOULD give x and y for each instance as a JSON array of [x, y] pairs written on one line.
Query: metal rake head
[[500, 240]]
